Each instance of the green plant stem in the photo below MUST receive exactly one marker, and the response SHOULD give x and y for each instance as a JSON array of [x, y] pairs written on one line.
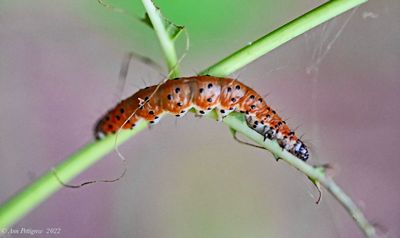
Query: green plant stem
[[37, 192], [237, 123], [167, 44], [280, 36]]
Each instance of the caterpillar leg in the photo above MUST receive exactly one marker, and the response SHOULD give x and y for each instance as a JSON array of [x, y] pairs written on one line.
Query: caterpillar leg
[[223, 112], [202, 112], [199, 113], [220, 114]]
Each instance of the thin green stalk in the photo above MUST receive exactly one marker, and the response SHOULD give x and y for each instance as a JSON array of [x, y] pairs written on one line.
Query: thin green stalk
[[236, 122], [280, 36], [37, 192], [167, 44]]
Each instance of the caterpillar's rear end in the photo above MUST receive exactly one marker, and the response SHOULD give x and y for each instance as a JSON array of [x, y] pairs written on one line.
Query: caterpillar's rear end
[[203, 94]]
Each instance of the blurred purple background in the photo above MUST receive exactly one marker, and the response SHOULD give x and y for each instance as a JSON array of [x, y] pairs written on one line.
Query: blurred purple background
[[188, 178]]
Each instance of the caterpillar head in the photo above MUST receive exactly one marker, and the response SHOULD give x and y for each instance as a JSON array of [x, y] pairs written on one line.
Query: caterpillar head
[[300, 150]]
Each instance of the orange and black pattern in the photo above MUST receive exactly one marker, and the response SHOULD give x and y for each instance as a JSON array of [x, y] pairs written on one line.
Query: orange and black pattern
[[203, 94]]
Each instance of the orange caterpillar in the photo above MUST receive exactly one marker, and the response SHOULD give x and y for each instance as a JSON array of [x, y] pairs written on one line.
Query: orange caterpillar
[[203, 93]]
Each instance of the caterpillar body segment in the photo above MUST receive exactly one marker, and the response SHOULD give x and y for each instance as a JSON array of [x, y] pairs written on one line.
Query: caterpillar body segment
[[203, 94]]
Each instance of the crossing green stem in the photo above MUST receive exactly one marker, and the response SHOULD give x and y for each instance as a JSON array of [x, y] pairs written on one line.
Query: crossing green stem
[[283, 34], [167, 44]]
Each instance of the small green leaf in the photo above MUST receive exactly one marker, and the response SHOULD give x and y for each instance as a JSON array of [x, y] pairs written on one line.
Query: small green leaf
[[146, 20], [173, 30]]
